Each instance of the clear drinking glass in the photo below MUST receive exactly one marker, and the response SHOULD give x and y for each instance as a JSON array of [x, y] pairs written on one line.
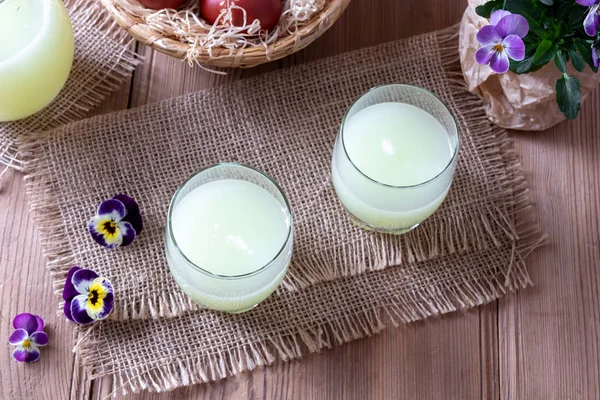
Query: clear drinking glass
[[394, 118], [231, 292], [36, 54]]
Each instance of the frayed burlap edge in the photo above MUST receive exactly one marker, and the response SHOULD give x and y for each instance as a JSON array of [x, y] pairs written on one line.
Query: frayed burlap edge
[[177, 372], [91, 14]]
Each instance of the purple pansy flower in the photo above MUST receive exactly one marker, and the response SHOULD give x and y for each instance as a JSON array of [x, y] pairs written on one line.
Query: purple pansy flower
[[117, 222], [501, 40], [88, 296], [596, 52], [592, 20], [28, 336]]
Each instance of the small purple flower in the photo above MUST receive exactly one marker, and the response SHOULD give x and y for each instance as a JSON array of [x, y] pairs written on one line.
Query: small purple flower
[[88, 296], [596, 52], [28, 336], [117, 222], [592, 20], [501, 40]]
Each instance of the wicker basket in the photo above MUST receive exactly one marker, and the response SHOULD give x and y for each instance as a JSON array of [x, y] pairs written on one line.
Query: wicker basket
[[221, 57]]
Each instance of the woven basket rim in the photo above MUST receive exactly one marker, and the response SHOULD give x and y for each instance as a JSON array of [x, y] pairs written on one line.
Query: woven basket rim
[[245, 57]]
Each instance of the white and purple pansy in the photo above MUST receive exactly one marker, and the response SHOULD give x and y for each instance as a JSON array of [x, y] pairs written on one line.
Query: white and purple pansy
[[117, 222], [502, 40], [88, 296], [592, 20], [28, 336]]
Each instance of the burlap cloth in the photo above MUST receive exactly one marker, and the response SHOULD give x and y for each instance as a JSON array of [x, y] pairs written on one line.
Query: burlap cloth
[[338, 288], [101, 63]]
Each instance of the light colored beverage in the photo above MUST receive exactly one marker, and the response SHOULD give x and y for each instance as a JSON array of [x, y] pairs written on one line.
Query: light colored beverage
[[36, 54], [389, 164], [231, 243], [397, 144]]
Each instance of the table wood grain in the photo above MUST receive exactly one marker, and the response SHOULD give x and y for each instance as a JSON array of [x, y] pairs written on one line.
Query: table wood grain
[[540, 343]]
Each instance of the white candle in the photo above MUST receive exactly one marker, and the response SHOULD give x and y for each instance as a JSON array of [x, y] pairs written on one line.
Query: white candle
[[237, 239], [387, 169], [36, 53]]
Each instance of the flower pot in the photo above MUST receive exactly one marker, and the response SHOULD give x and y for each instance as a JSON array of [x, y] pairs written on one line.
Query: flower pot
[[523, 102]]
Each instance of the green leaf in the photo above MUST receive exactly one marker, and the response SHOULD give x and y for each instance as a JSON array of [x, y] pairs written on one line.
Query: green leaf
[[585, 51], [486, 10], [577, 61], [527, 8], [562, 29], [547, 2], [542, 33], [561, 61], [545, 52], [565, 10], [577, 16], [522, 67], [568, 95]]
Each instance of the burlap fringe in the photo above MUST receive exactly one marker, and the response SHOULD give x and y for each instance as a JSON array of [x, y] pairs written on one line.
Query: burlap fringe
[[403, 308], [172, 373], [91, 15]]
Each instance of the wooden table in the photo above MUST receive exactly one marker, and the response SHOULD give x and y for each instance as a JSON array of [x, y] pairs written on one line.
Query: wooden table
[[541, 343]]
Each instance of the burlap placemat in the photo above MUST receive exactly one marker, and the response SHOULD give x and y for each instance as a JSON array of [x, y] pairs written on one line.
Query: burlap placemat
[[102, 61], [338, 287], [284, 123]]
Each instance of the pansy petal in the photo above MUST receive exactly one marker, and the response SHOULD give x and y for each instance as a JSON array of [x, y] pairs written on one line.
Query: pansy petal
[[134, 217], [113, 207], [69, 290], [127, 232], [104, 309], [82, 280], [39, 338], [40, 322], [513, 24], [499, 62], [589, 24], [25, 321], [31, 354], [586, 3], [109, 302], [485, 54], [18, 336], [78, 311], [67, 310], [596, 56], [488, 35], [514, 47], [497, 16]]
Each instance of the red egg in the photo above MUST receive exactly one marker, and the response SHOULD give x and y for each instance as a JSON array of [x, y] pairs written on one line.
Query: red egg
[[160, 4], [267, 12]]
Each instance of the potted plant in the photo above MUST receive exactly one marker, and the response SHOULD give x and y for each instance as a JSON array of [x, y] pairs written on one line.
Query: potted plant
[[532, 61]]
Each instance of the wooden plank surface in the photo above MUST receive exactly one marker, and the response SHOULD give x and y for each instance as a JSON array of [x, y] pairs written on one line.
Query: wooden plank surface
[[542, 343]]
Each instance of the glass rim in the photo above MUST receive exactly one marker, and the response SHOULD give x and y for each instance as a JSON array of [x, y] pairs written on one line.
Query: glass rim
[[36, 38], [454, 155], [288, 210]]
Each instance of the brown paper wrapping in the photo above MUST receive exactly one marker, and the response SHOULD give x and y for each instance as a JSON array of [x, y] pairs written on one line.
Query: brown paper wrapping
[[522, 102]]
